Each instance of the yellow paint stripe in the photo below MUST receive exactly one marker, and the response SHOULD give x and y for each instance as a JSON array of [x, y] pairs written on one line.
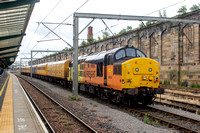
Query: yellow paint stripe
[[3, 86], [6, 114]]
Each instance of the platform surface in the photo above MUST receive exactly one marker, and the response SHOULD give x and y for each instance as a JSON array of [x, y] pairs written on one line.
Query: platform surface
[[17, 114]]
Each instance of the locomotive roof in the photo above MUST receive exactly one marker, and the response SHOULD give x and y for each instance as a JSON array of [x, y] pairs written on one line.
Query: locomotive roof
[[99, 56]]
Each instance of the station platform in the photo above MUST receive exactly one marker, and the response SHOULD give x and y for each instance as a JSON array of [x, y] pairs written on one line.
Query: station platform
[[17, 114]]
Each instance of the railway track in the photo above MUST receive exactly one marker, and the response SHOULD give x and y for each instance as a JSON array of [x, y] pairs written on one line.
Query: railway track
[[178, 94], [182, 89], [193, 108], [169, 119], [52, 123]]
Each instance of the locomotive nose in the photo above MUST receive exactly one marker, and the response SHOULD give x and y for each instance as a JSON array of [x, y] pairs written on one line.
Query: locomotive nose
[[145, 66], [142, 72]]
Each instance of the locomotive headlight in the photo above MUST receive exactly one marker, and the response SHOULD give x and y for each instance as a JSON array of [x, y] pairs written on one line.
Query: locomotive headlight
[[150, 69], [156, 78], [136, 69]]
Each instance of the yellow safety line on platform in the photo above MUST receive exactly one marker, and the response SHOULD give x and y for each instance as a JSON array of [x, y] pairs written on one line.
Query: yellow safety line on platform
[[3, 86], [6, 114]]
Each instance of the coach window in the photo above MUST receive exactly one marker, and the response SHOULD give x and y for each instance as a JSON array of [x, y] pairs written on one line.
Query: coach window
[[120, 54], [110, 61]]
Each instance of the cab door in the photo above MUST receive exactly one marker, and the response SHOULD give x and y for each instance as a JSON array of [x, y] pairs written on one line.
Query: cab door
[[108, 68], [105, 69]]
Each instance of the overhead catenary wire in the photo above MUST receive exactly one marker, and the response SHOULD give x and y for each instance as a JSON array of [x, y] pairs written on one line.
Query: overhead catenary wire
[[145, 14], [63, 21], [42, 21]]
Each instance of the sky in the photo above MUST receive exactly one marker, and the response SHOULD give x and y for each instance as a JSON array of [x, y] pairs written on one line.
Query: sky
[[38, 37]]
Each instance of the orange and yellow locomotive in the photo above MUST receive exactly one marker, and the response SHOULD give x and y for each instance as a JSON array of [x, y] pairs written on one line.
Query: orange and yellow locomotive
[[122, 75]]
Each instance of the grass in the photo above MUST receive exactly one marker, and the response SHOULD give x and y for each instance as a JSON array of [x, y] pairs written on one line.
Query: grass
[[195, 85], [166, 82], [67, 124], [74, 98], [64, 118], [155, 123], [146, 119], [95, 105]]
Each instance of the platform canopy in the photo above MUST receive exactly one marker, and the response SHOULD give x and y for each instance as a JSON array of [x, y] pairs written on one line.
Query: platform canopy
[[14, 18]]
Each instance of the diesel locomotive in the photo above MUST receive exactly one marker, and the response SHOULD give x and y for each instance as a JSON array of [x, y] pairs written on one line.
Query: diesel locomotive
[[122, 75]]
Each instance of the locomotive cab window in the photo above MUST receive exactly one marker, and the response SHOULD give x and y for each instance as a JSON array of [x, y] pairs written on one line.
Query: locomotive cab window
[[120, 54], [130, 52], [140, 54]]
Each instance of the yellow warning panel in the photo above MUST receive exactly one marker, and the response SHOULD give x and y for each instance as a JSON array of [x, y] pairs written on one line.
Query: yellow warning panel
[[6, 114]]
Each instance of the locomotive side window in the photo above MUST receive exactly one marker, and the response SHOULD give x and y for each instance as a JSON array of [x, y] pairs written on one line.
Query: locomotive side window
[[120, 54], [100, 69], [140, 54], [130, 52]]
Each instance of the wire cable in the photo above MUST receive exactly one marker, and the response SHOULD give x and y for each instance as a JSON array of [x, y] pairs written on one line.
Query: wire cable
[[63, 21], [152, 12], [39, 24], [51, 10]]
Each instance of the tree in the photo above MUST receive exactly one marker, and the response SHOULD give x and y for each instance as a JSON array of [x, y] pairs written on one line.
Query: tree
[[195, 7], [122, 31], [105, 34], [141, 25], [164, 15], [129, 28], [99, 38], [160, 14], [149, 23], [83, 43], [90, 40], [182, 10]]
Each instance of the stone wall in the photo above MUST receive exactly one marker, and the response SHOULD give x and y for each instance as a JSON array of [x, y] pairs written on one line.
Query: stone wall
[[175, 46]]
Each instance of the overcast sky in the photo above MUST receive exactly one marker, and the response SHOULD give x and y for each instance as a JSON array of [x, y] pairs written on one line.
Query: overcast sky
[[56, 11]]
